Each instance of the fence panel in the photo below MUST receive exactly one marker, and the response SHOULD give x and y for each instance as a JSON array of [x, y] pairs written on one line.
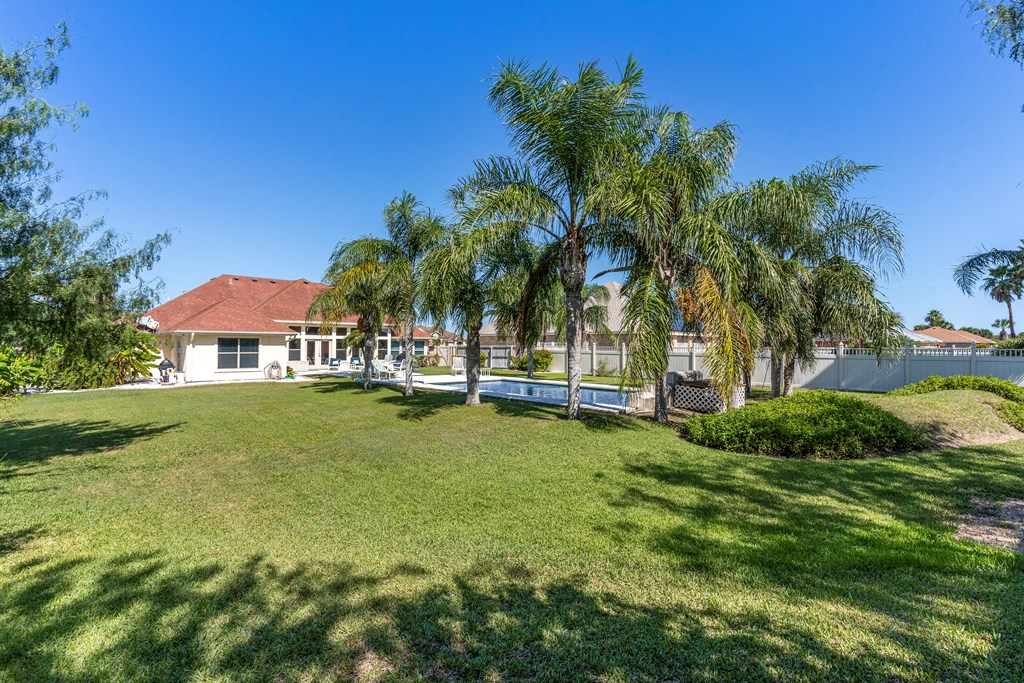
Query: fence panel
[[851, 369]]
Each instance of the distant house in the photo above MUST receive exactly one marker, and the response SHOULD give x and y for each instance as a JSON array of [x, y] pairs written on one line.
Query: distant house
[[953, 338], [234, 327], [616, 313]]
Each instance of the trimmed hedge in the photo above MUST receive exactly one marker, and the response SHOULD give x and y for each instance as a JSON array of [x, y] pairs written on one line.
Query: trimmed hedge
[[1000, 387], [811, 424]]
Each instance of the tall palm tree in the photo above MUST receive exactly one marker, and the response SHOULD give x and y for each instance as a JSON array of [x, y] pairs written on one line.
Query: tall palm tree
[[934, 318], [352, 291], [1001, 324], [1005, 284], [566, 134], [459, 277], [393, 263], [830, 251], [679, 258]]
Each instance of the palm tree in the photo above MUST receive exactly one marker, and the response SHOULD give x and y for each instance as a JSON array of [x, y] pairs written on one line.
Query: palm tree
[[394, 263], [934, 318], [566, 134], [829, 250], [679, 258], [1005, 284], [1001, 324], [459, 277], [979, 265], [351, 291]]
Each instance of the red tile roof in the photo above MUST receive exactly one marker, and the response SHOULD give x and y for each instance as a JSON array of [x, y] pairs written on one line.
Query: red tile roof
[[234, 303], [953, 336]]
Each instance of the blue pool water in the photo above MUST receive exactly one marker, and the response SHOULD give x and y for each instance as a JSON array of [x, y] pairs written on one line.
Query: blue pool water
[[548, 393]]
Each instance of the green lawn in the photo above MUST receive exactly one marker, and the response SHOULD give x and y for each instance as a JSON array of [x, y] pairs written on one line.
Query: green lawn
[[303, 531]]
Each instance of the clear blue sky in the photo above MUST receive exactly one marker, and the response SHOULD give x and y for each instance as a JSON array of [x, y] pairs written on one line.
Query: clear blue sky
[[262, 134]]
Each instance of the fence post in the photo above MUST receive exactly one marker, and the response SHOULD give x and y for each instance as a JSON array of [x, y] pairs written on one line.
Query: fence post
[[693, 356], [907, 355], [593, 357], [622, 358], [840, 352], [974, 358]]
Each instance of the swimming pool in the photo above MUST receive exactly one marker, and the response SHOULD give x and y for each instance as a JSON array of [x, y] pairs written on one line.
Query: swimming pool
[[605, 399]]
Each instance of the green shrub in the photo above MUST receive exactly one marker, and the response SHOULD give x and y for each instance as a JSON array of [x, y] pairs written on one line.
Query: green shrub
[[993, 385], [1011, 343], [542, 359], [17, 372], [1013, 413], [132, 355], [812, 424]]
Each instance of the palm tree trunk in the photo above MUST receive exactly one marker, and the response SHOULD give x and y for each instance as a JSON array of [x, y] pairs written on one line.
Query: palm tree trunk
[[369, 353], [573, 345], [787, 375], [662, 391], [776, 373], [473, 366], [410, 328], [529, 363], [1009, 311], [746, 383]]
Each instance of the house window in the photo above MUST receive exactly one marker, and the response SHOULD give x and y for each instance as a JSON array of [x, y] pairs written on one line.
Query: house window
[[235, 353], [396, 347], [419, 348], [294, 349], [340, 350], [295, 328], [382, 347], [312, 331], [341, 331]]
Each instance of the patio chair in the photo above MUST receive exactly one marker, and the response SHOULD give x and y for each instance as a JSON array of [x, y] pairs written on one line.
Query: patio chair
[[334, 364], [382, 371], [458, 365]]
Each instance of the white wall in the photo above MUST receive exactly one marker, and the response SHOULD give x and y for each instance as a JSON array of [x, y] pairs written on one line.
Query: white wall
[[197, 357], [850, 369]]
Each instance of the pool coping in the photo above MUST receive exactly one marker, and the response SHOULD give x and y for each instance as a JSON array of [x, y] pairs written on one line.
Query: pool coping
[[440, 385]]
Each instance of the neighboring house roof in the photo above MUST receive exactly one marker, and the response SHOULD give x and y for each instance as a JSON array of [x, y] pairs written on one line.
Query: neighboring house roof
[[235, 303], [919, 337], [953, 336]]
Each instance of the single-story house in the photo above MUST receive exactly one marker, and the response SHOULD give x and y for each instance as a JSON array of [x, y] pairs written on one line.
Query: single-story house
[[235, 327], [954, 338]]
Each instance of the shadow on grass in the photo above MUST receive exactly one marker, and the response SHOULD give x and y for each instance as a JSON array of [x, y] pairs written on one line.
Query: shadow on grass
[[873, 535], [424, 404], [34, 442], [147, 617]]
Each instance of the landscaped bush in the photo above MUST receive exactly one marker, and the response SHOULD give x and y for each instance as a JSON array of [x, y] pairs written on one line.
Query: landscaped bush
[[812, 424], [1013, 413], [542, 359], [993, 385], [1011, 343]]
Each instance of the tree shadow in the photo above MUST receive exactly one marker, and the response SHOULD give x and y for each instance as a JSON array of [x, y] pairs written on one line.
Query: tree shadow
[[35, 442], [146, 616], [424, 404]]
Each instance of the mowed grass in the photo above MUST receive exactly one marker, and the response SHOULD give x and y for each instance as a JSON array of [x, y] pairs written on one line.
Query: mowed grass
[[313, 531]]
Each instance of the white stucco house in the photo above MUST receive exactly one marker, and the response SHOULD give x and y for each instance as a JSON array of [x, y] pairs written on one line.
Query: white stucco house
[[235, 327]]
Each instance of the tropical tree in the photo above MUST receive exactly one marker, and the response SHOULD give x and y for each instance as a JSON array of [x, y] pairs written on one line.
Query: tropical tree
[[978, 265], [935, 318], [1005, 284], [679, 258], [355, 289], [829, 251], [1001, 324], [460, 276], [566, 135]]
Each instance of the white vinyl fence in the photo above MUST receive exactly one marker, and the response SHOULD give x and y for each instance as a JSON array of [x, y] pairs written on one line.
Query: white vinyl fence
[[836, 367]]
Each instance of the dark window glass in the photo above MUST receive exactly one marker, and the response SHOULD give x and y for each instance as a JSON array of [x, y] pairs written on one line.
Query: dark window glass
[[294, 354], [248, 360], [295, 328], [227, 361], [227, 345], [313, 330], [249, 345], [234, 353], [418, 347]]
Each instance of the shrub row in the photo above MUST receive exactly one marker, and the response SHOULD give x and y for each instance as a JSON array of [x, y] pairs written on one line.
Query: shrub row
[[812, 424]]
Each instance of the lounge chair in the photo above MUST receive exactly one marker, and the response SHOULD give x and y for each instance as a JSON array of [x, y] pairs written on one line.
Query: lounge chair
[[458, 365], [334, 364]]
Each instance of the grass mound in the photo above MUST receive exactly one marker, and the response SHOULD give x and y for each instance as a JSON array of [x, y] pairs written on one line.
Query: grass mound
[[956, 419], [812, 424], [1000, 387]]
